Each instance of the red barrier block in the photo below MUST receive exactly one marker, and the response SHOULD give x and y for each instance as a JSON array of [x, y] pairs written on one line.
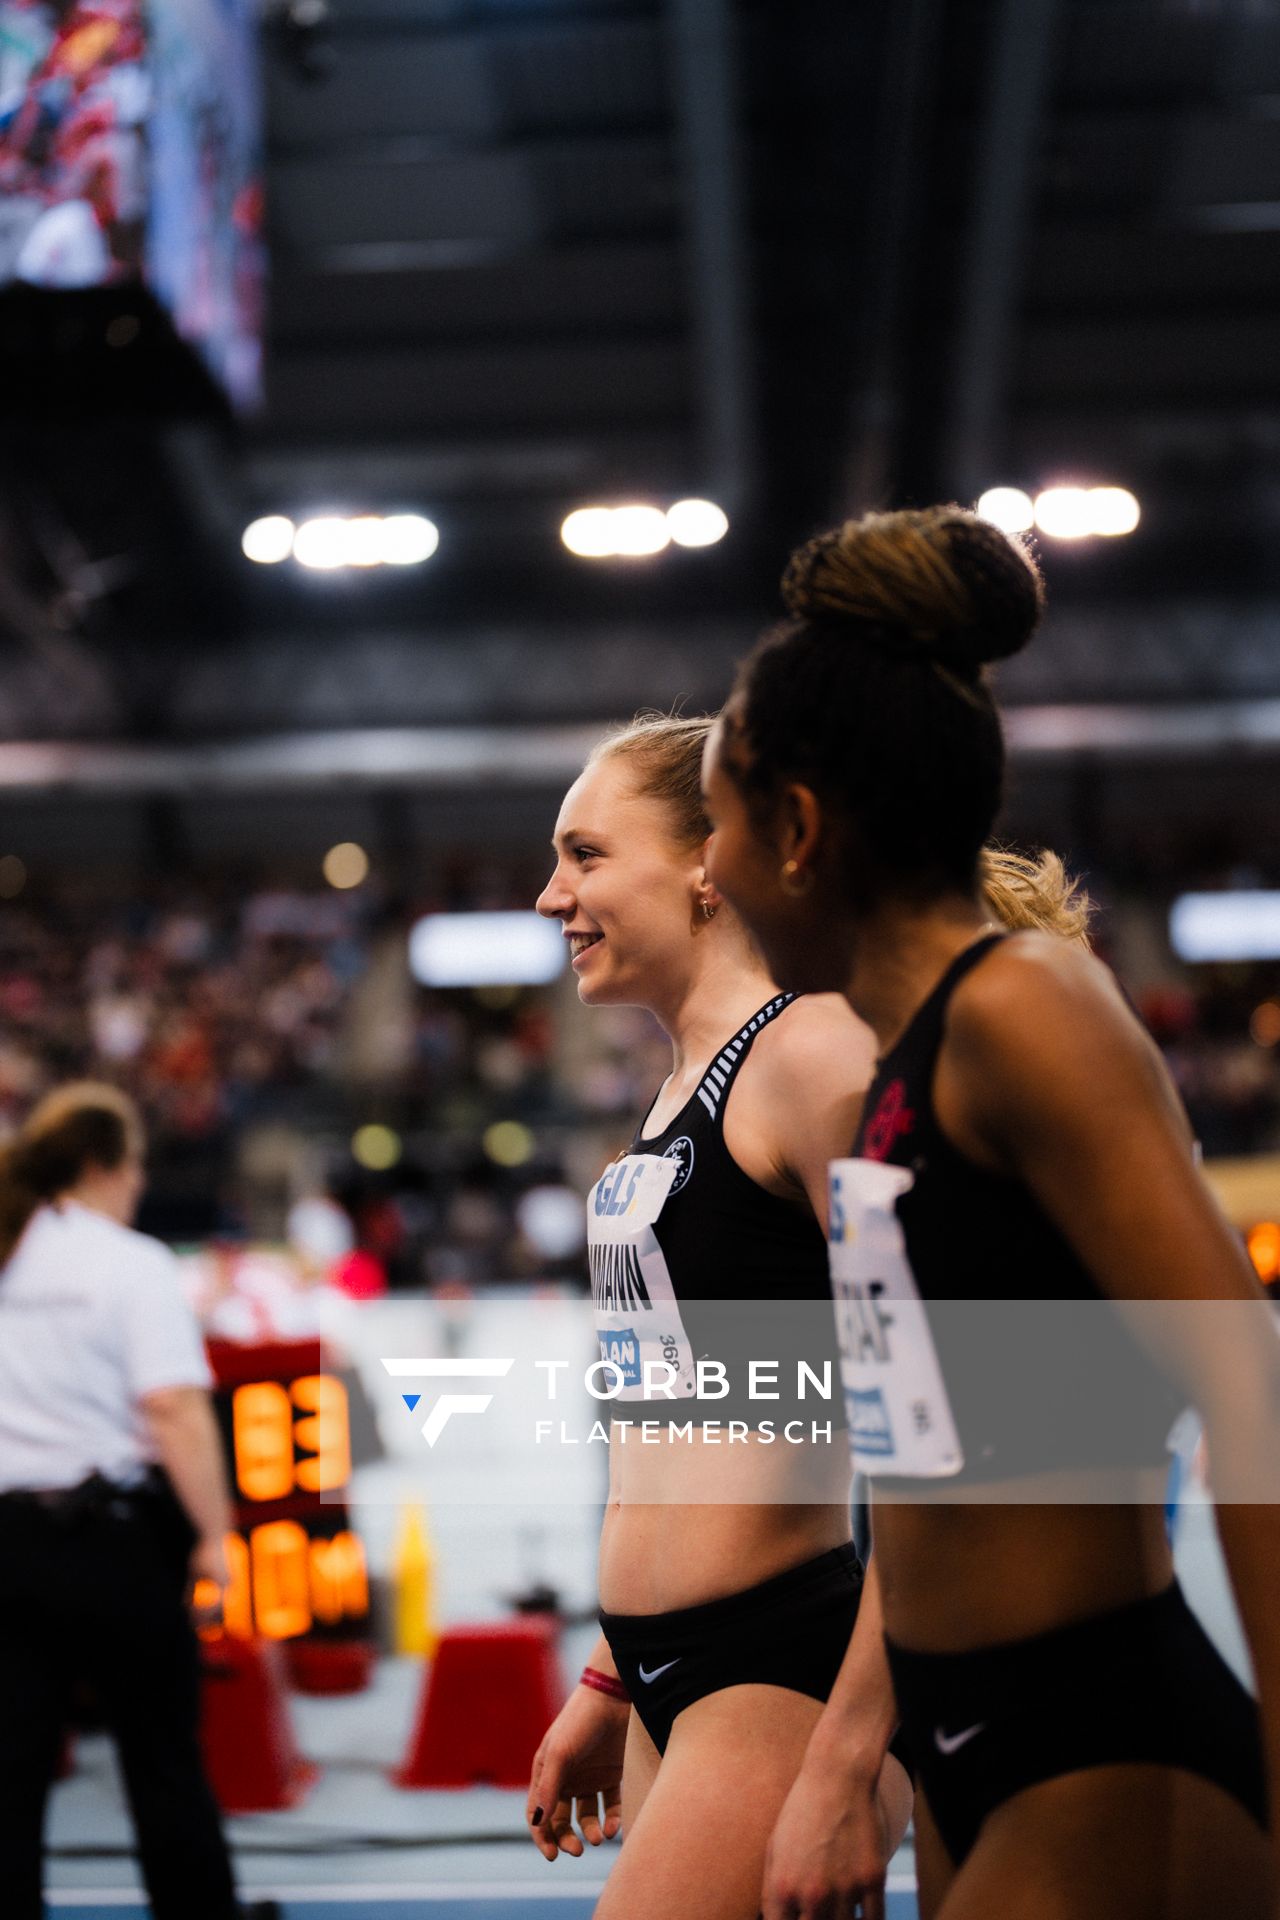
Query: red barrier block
[[329, 1666], [246, 1733], [491, 1693]]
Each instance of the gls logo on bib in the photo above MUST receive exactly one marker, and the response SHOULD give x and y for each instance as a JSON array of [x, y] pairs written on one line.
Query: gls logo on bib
[[636, 1311]]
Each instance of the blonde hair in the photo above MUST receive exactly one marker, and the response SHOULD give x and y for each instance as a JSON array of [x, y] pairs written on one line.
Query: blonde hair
[[1033, 893], [86, 1123], [666, 750]]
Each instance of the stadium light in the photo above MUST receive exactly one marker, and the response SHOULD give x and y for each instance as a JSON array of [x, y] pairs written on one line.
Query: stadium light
[[1226, 926], [486, 950], [1008, 508], [321, 544], [697, 523], [1083, 513], [1115, 511], [269, 540], [331, 542], [1064, 513], [588, 532], [408, 539], [362, 541], [637, 530]]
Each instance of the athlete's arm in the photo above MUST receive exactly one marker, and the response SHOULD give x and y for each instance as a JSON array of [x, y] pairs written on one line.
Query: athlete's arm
[[581, 1753], [1046, 1075], [848, 1810], [580, 1760], [800, 1097]]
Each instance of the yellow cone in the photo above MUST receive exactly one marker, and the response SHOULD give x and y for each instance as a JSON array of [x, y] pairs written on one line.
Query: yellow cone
[[413, 1584]]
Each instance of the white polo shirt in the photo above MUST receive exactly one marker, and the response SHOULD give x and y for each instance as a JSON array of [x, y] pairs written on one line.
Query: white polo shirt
[[92, 1318]]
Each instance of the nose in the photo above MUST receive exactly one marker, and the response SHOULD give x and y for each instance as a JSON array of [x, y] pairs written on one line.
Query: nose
[[555, 902]]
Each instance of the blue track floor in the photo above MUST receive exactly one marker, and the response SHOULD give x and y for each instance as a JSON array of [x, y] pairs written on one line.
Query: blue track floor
[[901, 1905]]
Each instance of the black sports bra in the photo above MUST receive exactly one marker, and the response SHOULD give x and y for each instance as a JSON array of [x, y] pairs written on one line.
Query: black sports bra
[[976, 1342], [679, 1237]]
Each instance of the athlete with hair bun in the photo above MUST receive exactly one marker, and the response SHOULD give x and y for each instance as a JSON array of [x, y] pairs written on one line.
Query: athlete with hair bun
[[1080, 1747], [727, 1614]]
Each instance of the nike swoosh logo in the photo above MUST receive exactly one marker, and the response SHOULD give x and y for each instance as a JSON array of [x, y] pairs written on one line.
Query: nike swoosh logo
[[951, 1743], [646, 1677]]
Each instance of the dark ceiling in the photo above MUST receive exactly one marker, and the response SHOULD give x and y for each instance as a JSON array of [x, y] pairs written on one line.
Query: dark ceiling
[[803, 259]]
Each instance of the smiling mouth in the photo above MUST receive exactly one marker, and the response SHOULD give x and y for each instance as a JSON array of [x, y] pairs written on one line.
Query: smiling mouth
[[579, 943]]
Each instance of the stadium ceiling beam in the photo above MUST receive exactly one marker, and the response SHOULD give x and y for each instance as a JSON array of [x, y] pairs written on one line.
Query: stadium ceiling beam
[[461, 758], [705, 80], [906, 98], [973, 444], [408, 21]]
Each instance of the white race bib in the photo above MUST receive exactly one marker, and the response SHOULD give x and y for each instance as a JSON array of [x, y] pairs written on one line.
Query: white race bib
[[636, 1311], [896, 1403]]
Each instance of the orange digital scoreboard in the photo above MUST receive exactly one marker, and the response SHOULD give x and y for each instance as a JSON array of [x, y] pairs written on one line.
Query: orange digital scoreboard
[[298, 1569]]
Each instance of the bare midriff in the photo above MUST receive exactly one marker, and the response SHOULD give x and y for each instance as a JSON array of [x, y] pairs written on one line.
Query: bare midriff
[[1005, 1562], [689, 1522]]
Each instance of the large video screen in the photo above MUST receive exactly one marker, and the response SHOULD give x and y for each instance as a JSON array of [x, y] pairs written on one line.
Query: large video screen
[[130, 150]]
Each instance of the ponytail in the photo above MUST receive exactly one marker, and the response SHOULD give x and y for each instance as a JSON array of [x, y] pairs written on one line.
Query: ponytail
[[85, 1124], [1023, 893], [19, 1196]]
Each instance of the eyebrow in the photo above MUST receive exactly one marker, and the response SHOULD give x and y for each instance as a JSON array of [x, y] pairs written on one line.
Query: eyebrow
[[572, 833]]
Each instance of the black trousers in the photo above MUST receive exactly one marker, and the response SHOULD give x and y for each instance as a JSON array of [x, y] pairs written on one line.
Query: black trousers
[[94, 1597]]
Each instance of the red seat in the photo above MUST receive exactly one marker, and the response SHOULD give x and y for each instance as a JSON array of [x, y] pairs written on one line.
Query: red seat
[[490, 1694], [245, 1729]]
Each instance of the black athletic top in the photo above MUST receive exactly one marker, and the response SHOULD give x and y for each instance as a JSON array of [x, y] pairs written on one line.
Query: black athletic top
[[1031, 1366], [690, 1259]]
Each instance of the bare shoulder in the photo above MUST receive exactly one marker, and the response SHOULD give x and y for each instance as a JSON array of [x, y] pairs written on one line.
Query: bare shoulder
[[1027, 977], [801, 1093], [1046, 1005], [819, 1036]]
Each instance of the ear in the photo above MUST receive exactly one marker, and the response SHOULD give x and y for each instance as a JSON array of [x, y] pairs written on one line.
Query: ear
[[800, 824], [704, 886]]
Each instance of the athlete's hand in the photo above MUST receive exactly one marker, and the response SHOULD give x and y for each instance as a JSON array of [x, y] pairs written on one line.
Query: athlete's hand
[[580, 1758], [829, 1853]]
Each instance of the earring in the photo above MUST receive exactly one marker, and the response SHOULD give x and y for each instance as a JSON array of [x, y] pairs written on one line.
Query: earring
[[795, 879], [708, 910]]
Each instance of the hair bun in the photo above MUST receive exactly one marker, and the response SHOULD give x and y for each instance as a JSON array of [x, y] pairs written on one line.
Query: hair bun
[[940, 581]]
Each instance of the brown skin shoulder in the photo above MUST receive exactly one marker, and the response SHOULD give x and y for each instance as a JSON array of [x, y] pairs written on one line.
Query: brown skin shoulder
[[1047, 1076]]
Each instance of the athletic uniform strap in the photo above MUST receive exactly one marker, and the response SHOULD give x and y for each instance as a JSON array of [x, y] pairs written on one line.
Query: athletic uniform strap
[[925, 1029], [720, 1074]]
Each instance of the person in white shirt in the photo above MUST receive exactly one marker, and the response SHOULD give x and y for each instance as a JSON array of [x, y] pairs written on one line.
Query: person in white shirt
[[113, 1496]]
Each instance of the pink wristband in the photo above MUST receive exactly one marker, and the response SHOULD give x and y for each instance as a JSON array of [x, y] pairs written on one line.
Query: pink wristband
[[605, 1683]]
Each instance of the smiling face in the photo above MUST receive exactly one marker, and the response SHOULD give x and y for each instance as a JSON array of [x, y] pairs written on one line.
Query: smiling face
[[626, 891], [806, 945]]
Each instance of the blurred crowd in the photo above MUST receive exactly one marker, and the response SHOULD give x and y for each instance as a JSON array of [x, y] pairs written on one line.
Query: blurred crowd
[[1221, 1039], [281, 1051]]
